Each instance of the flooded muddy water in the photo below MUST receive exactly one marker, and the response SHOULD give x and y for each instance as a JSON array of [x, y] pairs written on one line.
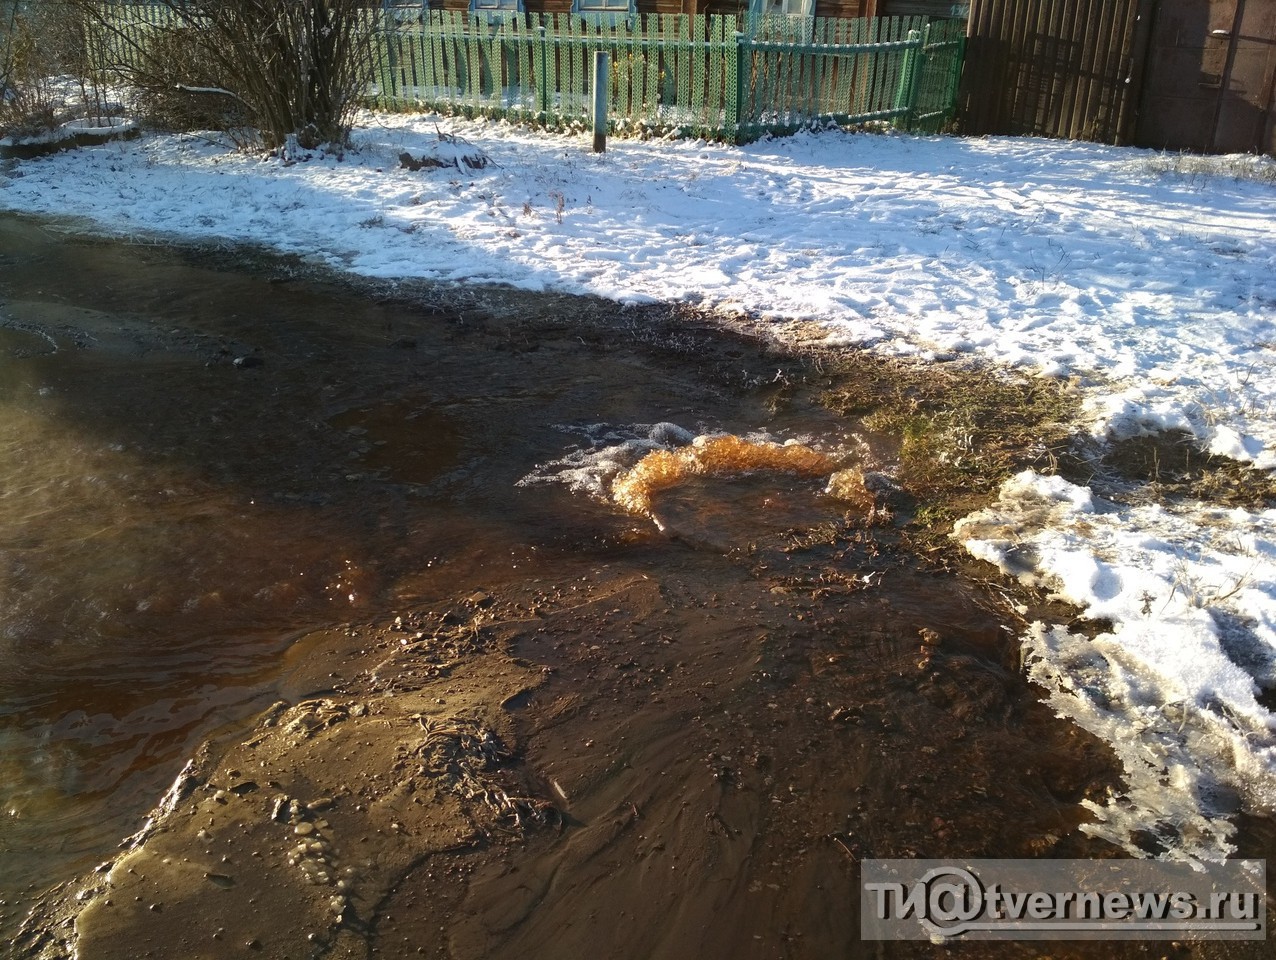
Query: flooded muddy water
[[229, 490]]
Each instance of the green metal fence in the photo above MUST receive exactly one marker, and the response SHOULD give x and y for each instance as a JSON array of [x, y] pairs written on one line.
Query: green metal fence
[[719, 77], [711, 76]]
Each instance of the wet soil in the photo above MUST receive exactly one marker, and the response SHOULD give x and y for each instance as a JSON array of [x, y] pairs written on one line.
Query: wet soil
[[495, 720]]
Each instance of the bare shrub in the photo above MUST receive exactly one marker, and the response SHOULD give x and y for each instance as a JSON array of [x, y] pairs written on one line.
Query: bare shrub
[[44, 76], [177, 86], [293, 67]]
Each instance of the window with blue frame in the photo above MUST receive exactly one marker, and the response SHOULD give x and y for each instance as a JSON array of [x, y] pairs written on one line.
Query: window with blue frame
[[403, 12], [788, 20], [782, 8], [496, 9], [615, 8]]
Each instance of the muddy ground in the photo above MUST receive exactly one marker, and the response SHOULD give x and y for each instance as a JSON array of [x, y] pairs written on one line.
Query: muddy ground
[[645, 745], [655, 762]]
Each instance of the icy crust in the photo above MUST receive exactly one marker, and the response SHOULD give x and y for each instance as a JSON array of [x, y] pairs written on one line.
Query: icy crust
[[1222, 429], [1174, 681], [630, 466], [603, 452]]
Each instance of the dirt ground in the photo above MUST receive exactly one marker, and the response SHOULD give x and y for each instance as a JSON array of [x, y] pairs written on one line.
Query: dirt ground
[[658, 763]]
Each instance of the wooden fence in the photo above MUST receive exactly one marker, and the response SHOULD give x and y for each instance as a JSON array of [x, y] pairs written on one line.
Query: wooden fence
[[719, 77], [710, 76]]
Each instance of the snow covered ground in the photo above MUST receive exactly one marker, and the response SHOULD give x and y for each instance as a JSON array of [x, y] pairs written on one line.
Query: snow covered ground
[[1153, 292]]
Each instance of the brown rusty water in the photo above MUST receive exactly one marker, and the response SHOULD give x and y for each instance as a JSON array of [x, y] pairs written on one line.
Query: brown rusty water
[[203, 463]]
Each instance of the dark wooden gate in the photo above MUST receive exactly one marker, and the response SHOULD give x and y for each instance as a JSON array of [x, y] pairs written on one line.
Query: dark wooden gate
[[1172, 74], [1208, 84], [1054, 68]]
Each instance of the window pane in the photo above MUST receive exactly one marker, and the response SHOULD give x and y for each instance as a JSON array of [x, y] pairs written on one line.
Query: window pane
[[775, 8], [602, 6]]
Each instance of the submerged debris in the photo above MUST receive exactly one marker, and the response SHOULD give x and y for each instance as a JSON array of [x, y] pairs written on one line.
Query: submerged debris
[[463, 754]]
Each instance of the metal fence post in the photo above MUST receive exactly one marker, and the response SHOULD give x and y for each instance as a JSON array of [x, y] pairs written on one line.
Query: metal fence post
[[602, 87]]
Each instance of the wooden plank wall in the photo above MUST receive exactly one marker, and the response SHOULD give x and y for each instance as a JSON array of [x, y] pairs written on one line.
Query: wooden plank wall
[[850, 9], [943, 9], [846, 9], [1052, 68]]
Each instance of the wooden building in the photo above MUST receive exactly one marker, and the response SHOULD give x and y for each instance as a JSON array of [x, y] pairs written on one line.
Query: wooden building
[[845, 9], [1194, 75]]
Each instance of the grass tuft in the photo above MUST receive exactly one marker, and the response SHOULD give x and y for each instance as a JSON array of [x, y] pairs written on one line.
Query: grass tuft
[[960, 430], [1238, 166]]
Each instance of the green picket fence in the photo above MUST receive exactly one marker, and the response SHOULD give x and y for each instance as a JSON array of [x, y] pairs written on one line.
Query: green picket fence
[[718, 77], [710, 76]]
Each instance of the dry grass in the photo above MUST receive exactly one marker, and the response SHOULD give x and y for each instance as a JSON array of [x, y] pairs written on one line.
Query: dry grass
[[1192, 166], [1171, 466], [960, 430]]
